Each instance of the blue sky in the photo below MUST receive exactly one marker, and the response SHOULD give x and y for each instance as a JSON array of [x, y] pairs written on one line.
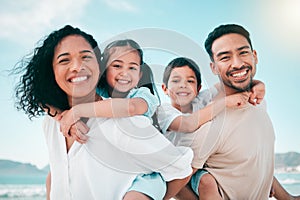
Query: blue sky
[[273, 25]]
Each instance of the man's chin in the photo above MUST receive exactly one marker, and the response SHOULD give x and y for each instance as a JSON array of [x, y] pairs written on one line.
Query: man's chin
[[242, 88]]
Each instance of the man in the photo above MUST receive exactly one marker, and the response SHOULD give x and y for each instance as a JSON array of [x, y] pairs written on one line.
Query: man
[[237, 147]]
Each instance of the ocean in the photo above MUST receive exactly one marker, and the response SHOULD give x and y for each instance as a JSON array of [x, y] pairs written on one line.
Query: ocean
[[22, 188], [33, 188], [290, 181]]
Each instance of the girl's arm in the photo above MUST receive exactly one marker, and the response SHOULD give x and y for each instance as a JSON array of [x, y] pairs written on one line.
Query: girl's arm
[[78, 130], [109, 108], [190, 123]]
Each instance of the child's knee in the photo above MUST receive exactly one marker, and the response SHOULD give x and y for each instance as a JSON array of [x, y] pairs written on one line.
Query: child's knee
[[134, 195], [207, 181]]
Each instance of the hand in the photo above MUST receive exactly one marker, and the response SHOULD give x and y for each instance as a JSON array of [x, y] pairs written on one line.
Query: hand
[[257, 93], [272, 192], [67, 119], [237, 100], [78, 131]]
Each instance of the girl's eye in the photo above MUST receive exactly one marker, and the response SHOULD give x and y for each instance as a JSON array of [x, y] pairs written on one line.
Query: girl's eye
[[191, 81], [175, 81], [116, 66]]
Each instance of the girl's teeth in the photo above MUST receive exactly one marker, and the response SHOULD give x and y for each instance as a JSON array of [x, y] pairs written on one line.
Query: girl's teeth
[[123, 81]]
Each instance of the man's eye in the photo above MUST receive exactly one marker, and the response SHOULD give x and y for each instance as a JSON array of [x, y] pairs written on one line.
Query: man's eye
[[224, 58], [132, 68], [86, 57], [244, 52]]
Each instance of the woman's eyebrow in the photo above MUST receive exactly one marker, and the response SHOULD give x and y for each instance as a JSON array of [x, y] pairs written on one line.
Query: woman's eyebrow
[[63, 54], [87, 51]]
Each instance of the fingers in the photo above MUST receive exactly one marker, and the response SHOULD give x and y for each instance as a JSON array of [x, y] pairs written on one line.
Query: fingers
[[78, 132], [252, 98], [255, 99], [259, 100], [244, 98], [272, 192]]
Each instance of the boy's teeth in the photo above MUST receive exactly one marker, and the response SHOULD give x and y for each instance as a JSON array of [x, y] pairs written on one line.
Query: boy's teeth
[[78, 79], [183, 94]]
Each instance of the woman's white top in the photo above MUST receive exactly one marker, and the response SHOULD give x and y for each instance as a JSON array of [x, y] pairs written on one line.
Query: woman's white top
[[116, 152]]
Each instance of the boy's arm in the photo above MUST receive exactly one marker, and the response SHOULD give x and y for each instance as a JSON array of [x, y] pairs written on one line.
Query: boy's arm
[[258, 91], [190, 123]]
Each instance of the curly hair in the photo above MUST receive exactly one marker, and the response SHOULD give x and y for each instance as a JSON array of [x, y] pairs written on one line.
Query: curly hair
[[37, 87]]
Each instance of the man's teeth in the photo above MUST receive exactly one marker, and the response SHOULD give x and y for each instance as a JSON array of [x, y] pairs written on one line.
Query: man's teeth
[[239, 74], [78, 79]]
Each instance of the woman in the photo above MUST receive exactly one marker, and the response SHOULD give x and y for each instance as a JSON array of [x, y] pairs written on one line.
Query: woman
[[63, 72]]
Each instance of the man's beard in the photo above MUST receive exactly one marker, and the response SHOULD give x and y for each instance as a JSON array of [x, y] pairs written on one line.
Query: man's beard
[[246, 88], [237, 88]]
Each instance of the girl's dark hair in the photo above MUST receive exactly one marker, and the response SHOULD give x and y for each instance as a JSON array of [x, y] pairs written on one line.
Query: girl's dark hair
[[147, 79], [181, 62], [37, 87]]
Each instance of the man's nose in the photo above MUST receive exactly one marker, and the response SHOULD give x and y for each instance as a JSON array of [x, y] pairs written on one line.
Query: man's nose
[[237, 62]]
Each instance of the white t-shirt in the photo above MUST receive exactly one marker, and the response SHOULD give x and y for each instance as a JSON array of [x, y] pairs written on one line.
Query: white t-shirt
[[166, 113], [116, 152]]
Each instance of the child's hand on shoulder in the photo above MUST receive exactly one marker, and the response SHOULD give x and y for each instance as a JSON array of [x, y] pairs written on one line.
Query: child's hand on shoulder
[[67, 119], [237, 100], [78, 131], [257, 92]]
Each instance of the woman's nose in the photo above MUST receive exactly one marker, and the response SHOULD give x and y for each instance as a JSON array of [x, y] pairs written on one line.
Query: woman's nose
[[77, 65]]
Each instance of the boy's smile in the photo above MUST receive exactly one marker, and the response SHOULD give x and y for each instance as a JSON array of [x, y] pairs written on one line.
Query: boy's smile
[[182, 88]]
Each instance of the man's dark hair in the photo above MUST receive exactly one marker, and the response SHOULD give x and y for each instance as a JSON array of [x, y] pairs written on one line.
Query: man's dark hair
[[223, 30]]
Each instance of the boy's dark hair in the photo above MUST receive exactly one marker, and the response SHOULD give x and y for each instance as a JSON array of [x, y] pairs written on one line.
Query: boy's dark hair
[[181, 62], [223, 30]]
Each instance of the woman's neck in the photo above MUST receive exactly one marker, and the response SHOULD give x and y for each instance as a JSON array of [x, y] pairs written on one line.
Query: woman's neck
[[117, 94], [92, 97]]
